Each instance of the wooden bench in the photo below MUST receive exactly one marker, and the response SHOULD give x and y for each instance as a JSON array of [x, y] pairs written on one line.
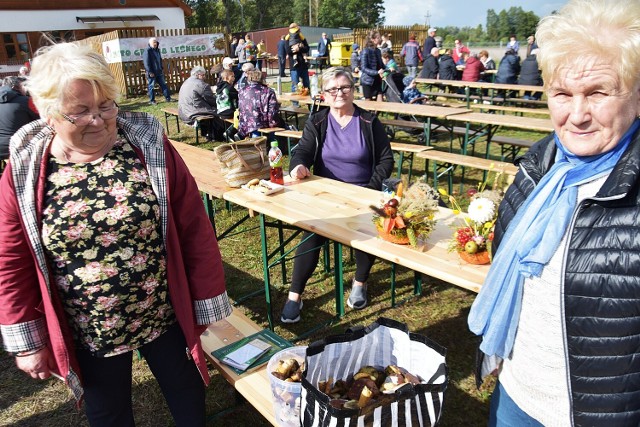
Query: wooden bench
[[511, 145], [408, 149], [289, 134], [170, 111], [292, 111], [510, 109], [449, 161], [253, 384]]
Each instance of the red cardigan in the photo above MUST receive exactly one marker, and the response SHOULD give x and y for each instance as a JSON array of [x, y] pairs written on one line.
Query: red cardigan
[[194, 264]]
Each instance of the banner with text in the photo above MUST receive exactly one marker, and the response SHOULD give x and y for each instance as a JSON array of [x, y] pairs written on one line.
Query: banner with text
[[128, 50]]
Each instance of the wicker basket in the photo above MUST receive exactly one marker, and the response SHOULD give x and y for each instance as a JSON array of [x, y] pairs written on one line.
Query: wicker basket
[[393, 238], [479, 258]]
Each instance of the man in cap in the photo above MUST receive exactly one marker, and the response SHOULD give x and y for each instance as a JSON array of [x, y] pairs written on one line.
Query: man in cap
[[152, 60], [412, 55], [429, 43]]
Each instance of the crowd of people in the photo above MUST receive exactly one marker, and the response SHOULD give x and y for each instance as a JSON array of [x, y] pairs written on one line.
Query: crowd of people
[[372, 64]]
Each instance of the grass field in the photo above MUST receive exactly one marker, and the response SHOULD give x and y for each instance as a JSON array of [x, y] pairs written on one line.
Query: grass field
[[439, 313]]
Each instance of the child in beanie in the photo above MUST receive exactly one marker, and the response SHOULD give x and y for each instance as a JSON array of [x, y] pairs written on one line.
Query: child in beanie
[[410, 91]]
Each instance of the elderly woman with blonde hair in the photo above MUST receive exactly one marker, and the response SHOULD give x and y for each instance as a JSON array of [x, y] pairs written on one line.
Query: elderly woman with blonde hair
[[106, 248], [559, 312]]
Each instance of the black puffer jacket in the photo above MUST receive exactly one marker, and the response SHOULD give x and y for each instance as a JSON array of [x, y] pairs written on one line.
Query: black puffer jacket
[[14, 113], [600, 287], [447, 68], [529, 72], [308, 150]]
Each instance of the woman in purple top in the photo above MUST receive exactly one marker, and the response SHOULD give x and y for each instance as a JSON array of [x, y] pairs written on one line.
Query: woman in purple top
[[344, 143]]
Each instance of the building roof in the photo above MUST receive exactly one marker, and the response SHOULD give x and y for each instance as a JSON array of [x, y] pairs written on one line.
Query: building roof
[[91, 4]]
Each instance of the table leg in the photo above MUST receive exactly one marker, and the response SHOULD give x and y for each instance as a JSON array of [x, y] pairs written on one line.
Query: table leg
[[283, 265], [265, 270], [417, 283], [338, 271], [393, 284]]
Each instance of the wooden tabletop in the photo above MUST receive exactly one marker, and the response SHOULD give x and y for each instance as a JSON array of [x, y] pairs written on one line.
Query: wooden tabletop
[[341, 212], [412, 109], [205, 168], [506, 120], [254, 384], [389, 107], [479, 85]]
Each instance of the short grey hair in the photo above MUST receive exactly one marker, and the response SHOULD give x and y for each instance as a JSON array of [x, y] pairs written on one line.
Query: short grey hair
[[198, 69], [335, 72], [248, 66]]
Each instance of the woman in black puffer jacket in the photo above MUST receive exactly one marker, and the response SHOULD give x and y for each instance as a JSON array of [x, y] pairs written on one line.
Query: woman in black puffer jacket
[[559, 311]]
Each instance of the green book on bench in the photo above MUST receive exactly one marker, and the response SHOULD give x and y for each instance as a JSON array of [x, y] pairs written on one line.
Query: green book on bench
[[253, 353]]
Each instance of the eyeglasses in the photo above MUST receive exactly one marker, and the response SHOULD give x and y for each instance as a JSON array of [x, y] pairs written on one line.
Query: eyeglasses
[[343, 89], [106, 113]]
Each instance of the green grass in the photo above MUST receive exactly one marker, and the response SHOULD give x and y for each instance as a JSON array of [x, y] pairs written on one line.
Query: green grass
[[439, 313]]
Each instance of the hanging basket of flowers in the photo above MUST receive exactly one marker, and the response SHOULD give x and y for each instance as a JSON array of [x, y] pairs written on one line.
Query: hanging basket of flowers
[[405, 215]]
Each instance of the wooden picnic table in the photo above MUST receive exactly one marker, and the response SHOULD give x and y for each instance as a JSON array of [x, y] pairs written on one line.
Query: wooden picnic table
[[341, 213], [254, 384], [517, 122], [478, 125], [205, 168], [479, 85]]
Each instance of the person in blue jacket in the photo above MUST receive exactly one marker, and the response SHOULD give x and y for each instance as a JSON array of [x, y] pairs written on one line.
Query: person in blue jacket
[[282, 56], [152, 60]]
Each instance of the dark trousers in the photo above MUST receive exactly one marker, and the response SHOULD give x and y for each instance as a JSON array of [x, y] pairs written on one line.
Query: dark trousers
[[308, 254], [107, 383], [282, 62]]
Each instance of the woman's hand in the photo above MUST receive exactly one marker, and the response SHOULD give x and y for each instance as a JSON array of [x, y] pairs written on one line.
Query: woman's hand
[[39, 365], [299, 172]]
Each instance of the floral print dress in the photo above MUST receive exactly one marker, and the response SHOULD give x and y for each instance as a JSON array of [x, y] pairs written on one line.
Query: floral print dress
[[102, 236]]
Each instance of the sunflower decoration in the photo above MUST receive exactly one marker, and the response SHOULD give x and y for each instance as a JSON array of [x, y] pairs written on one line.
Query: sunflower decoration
[[473, 239]]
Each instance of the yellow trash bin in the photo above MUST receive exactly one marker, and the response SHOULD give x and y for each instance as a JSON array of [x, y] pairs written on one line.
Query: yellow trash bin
[[340, 54]]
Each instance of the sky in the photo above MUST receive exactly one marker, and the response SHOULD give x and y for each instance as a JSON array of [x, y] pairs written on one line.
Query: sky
[[459, 13]]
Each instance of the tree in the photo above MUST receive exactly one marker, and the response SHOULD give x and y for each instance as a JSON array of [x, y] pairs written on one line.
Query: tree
[[492, 25], [351, 13]]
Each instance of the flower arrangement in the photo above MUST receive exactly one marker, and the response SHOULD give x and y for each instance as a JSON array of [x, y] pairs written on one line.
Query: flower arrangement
[[473, 239], [403, 217]]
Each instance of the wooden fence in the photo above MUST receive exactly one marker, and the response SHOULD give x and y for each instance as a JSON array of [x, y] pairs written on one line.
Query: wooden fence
[[399, 35], [131, 75]]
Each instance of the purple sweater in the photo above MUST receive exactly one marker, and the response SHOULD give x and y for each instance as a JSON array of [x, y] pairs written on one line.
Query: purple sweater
[[345, 155]]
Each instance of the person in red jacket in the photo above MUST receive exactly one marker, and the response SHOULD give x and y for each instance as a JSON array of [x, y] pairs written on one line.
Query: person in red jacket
[[473, 68], [106, 247]]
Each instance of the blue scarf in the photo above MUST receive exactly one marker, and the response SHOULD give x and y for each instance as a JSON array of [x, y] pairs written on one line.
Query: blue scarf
[[530, 241]]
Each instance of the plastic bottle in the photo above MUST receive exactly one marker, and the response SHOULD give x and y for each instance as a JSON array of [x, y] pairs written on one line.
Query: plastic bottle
[[275, 161], [314, 84]]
